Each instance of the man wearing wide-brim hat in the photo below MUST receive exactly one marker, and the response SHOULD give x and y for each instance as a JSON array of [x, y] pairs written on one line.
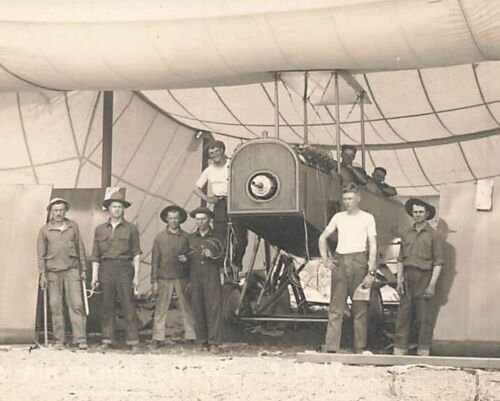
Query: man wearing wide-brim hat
[[205, 279], [420, 263], [116, 258], [170, 272], [62, 267]]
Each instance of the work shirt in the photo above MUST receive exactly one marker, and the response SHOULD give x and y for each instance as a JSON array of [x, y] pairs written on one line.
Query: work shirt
[[60, 248], [196, 259], [353, 231], [167, 247], [422, 249], [122, 243], [217, 177]]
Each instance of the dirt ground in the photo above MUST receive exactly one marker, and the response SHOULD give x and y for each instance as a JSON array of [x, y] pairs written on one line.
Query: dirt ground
[[256, 367]]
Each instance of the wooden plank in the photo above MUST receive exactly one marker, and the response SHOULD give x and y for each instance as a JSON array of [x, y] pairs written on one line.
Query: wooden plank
[[390, 360], [22, 213]]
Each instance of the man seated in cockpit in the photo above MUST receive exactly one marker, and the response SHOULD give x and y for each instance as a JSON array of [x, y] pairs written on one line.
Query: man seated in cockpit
[[378, 175], [349, 171]]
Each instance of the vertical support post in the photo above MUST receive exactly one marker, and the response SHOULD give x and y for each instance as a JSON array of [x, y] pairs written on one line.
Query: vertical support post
[[337, 119], [107, 138], [306, 134], [362, 120], [276, 106]]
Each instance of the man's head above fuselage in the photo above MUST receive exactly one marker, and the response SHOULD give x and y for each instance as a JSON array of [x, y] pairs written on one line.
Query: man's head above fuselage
[[351, 197], [379, 174], [348, 154]]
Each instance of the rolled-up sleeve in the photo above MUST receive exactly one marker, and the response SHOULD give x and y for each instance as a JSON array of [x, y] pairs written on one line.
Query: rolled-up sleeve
[[41, 250], [437, 250], [96, 249], [135, 244]]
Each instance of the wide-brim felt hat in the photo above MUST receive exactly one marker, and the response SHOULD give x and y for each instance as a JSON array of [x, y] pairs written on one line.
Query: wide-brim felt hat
[[173, 208], [116, 197], [202, 209], [53, 201], [431, 210]]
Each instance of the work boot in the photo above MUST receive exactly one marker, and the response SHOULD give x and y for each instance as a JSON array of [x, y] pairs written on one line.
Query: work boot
[[59, 346], [83, 347], [155, 345], [324, 350], [204, 346], [135, 349], [399, 351], [423, 352], [214, 349], [104, 347]]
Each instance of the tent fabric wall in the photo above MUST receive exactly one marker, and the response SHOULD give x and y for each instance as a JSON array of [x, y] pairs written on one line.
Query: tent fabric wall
[[55, 138]]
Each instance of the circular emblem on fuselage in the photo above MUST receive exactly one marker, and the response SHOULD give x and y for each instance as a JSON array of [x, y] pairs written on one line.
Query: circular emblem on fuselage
[[262, 186]]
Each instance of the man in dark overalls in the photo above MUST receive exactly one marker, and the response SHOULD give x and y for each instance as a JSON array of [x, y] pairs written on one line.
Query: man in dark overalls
[[116, 258], [205, 279]]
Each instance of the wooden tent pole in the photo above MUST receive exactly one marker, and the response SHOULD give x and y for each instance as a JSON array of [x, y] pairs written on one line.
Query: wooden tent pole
[[306, 135], [363, 139], [337, 118], [107, 139], [276, 106]]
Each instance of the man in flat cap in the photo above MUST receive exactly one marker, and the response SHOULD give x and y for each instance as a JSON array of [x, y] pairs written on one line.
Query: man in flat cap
[[116, 258], [62, 266], [170, 272], [205, 279], [420, 263], [217, 176]]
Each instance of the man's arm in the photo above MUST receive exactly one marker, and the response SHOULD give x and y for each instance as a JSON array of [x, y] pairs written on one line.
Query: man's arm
[[96, 260], [324, 250], [372, 253], [41, 252], [388, 190], [202, 181], [81, 253], [137, 266], [437, 264]]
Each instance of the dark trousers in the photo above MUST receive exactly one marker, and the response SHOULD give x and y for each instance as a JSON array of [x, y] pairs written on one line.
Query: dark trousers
[[206, 304], [116, 278], [413, 305], [67, 285], [351, 270], [239, 229]]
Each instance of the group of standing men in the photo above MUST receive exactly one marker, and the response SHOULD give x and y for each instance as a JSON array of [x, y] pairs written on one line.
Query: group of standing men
[[187, 264]]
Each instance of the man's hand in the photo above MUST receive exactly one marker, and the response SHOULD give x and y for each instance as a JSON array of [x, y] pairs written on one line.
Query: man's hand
[[83, 275], [429, 291], [330, 264], [154, 289], [367, 281], [188, 288], [207, 253], [212, 199], [400, 286], [94, 283], [43, 281], [135, 282], [182, 258]]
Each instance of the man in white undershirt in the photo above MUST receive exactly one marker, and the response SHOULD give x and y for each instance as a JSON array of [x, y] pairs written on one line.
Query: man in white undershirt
[[216, 175], [352, 265]]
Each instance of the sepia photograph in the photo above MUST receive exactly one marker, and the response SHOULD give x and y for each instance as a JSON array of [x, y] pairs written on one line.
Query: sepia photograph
[[249, 200]]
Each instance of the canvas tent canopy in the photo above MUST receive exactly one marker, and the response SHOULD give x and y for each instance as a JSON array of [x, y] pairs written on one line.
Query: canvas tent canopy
[[427, 68]]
